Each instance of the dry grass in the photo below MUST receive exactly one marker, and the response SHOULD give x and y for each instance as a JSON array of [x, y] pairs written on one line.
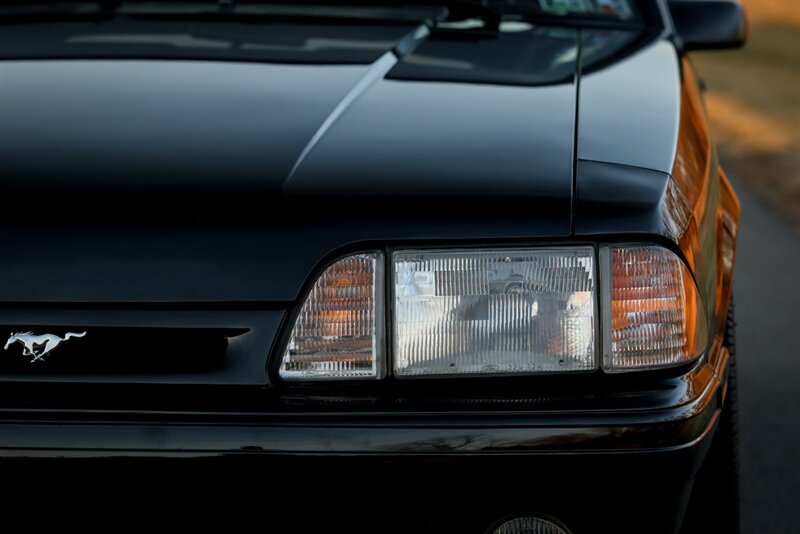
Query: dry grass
[[754, 103]]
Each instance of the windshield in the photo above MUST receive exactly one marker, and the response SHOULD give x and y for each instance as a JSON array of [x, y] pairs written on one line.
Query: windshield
[[342, 32], [621, 11]]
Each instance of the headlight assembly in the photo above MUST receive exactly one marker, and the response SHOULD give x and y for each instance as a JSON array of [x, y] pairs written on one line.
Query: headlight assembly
[[497, 312]]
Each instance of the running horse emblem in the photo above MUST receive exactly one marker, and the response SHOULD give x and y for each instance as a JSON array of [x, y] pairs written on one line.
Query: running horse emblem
[[39, 346]]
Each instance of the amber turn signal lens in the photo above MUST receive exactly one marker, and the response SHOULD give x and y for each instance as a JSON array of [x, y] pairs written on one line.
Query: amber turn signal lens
[[338, 333], [656, 316]]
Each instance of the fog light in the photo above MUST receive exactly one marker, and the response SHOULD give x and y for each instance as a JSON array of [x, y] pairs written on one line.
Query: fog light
[[529, 525]]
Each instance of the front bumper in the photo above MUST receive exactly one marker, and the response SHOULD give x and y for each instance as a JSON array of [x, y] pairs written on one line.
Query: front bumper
[[622, 471], [634, 492]]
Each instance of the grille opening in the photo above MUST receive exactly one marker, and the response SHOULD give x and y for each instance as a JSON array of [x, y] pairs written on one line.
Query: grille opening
[[120, 351]]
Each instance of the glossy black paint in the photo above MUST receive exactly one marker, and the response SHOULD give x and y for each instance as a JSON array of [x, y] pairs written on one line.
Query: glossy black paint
[[362, 493], [629, 110], [176, 190], [633, 208], [709, 24], [247, 154], [230, 141]]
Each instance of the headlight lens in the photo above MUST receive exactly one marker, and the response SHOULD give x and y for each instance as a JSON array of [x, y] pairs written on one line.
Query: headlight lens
[[494, 312], [656, 319], [338, 333]]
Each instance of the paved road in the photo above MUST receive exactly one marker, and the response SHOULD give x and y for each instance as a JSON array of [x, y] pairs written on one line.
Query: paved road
[[767, 295]]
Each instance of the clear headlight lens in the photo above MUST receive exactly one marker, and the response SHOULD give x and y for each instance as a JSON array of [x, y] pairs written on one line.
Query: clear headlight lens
[[494, 312], [338, 333], [656, 319]]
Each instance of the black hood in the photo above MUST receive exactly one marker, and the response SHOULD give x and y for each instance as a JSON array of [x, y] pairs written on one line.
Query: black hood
[[447, 117], [195, 180]]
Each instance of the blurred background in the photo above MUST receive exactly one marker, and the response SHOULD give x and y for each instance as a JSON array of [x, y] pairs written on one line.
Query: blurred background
[[753, 99]]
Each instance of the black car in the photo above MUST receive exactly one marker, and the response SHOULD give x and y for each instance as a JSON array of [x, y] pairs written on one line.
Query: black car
[[365, 266]]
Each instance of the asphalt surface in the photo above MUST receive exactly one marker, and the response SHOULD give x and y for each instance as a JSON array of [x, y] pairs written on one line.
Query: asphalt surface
[[767, 296]]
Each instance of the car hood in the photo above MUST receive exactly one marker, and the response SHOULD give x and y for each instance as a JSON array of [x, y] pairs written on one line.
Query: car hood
[[167, 180]]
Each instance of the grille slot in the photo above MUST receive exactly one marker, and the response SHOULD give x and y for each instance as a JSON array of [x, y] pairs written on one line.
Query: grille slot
[[121, 351]]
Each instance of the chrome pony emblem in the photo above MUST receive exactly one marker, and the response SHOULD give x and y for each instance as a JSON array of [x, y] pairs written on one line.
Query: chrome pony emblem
[[38, 346]]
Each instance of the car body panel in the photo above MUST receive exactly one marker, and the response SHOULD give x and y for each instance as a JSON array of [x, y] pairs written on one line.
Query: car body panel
[[243, 128], [150, 196], [258, 153], [629, 111], [265, 161], [394, 494], [264, 187]]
